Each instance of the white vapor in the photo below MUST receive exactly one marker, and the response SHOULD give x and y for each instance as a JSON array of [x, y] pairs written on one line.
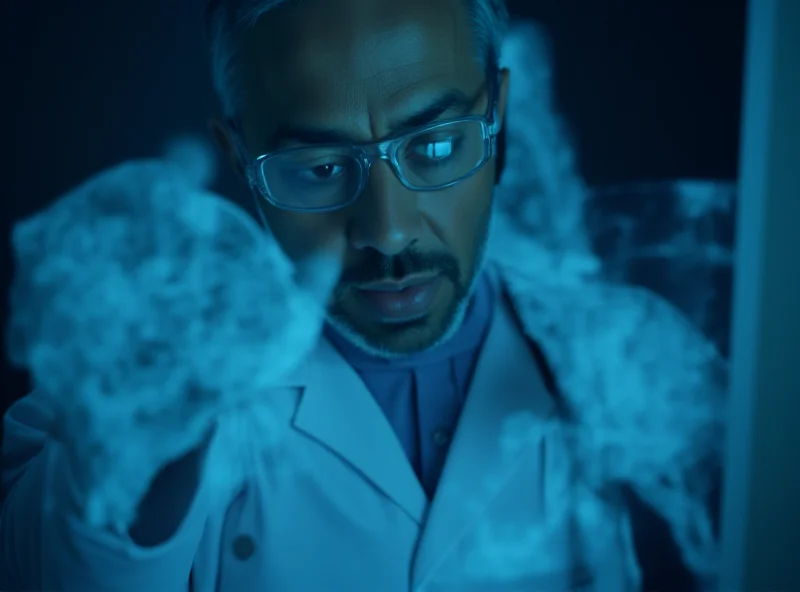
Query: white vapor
[[144, 305], [645, 386]]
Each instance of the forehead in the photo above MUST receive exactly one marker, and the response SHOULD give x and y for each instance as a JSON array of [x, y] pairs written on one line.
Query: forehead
[[322, 59]]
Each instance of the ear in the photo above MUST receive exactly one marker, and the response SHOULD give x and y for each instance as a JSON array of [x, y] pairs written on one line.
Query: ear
[[502, 99], [222, 135]]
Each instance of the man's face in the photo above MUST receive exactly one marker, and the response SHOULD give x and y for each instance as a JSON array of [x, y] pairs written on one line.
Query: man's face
[[358, 70]]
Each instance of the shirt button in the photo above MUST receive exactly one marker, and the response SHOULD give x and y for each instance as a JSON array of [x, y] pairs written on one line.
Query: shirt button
[[441, 437], [243, 547]]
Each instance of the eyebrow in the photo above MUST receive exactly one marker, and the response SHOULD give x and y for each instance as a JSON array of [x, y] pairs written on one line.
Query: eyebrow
[[451, 100]]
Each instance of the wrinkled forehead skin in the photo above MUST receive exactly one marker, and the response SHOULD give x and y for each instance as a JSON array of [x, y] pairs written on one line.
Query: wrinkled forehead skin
[[354, 63]]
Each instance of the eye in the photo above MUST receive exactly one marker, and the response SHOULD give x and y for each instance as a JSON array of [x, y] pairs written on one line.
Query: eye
[[313, 174], [319, 173]]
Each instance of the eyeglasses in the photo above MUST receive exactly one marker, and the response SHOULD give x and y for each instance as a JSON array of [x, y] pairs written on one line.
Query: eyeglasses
[[330, 177]]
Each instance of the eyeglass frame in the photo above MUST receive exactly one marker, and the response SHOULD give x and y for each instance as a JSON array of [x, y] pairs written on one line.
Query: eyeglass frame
[[366, 154]]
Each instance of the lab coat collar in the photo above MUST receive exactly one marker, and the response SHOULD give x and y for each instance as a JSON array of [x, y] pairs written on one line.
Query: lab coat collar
[[507, 388], [337, 411]]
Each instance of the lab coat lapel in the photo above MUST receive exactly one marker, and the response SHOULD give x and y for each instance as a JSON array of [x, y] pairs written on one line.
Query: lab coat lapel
[[338, 411], [506, 387]]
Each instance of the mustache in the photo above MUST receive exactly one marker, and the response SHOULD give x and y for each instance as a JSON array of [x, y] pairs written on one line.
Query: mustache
[[376, 267]]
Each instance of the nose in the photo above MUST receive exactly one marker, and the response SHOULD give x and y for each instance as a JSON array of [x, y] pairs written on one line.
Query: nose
[[386, 216]]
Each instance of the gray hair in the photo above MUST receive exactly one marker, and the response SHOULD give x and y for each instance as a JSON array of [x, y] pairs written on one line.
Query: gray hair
[[227, 20]]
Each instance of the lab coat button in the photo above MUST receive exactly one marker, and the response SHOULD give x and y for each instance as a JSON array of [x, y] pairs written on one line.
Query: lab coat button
[[243, 547], [441, 437]]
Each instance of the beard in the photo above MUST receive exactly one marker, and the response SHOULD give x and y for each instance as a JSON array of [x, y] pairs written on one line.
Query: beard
[[386, 268]]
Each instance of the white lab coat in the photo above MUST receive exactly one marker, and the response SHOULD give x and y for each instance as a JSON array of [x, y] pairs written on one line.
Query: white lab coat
[[336, 506]]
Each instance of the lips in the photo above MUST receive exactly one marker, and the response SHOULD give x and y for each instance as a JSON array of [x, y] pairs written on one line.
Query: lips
[[399, 302]]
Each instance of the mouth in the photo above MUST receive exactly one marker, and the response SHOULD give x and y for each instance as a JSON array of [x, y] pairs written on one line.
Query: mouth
[[401, 301], [410, 282]]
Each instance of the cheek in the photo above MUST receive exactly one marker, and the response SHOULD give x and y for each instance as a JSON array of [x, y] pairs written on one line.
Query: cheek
[[302, 235], [459, 215]]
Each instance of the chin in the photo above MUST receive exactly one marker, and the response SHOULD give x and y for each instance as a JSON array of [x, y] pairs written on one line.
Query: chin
[[394, 340]]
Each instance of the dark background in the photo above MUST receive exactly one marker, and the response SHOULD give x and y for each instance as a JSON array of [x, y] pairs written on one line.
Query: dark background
[[651, 90]]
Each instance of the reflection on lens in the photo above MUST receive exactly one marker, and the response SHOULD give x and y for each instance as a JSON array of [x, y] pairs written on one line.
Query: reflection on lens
[[442, 155]]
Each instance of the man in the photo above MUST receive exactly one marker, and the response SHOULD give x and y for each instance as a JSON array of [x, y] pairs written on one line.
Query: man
[[451, 424]]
